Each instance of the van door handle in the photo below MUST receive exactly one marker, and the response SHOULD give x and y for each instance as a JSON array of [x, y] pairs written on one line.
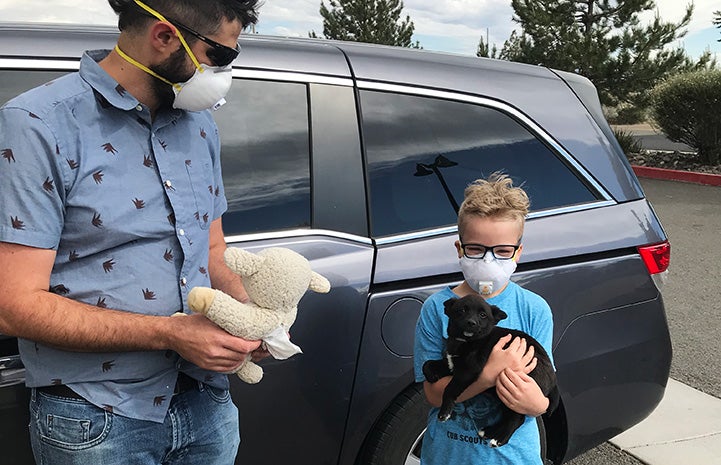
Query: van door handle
[[12, 371]]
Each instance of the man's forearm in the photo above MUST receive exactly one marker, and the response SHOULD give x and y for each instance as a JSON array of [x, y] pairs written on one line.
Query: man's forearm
[[222, 277], [69, 325]]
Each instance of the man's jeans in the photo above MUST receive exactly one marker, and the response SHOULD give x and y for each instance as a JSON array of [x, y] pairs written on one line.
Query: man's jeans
[[201, 427]]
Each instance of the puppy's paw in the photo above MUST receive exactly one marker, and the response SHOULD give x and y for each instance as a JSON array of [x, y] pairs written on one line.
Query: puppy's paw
[[444, 414], [494, 443], [481, 433]]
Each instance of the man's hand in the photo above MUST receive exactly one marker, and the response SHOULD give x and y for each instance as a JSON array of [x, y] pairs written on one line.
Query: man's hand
[[202, 342], [520, 393]]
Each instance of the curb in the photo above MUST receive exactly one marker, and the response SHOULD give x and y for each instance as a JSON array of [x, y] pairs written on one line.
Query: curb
[[677, 175]]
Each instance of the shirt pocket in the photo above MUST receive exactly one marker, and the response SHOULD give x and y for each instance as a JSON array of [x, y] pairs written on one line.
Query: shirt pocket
[[200, 175]]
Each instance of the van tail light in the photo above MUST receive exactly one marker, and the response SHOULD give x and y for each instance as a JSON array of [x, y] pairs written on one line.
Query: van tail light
[[657, 257]]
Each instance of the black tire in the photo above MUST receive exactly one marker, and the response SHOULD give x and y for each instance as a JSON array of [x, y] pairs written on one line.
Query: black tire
[[396, 438]]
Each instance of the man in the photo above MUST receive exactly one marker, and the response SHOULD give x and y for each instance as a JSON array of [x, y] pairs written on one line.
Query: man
[[110, 215]]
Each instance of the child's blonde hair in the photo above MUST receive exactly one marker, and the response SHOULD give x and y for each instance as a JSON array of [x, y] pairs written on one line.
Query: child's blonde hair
[[495, 197]]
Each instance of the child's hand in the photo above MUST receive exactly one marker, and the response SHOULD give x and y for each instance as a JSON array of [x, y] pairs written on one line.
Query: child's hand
[[516, 357], [520, 393]]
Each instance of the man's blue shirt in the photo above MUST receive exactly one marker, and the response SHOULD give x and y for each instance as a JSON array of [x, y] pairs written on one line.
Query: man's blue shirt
[[127, 204]]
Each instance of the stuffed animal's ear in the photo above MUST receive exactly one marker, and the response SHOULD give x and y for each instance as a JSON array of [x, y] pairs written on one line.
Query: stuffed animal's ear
[[498, 314], [242, 262], [448, 304], [318, 283]]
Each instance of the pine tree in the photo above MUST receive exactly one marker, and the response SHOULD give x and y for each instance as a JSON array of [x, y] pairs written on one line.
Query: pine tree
[[373, 21], [603, 40], [717, 20]]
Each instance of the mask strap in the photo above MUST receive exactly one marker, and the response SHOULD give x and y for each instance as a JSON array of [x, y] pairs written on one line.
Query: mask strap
[[180, 36], [146, 69]]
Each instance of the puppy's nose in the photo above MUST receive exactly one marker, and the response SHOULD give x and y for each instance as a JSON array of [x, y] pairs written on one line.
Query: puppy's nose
[[471, 323]]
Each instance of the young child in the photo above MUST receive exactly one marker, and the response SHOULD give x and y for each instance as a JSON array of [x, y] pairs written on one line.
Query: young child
[[490, 228]]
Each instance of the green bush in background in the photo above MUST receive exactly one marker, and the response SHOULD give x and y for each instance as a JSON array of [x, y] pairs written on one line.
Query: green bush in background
[[628, 143], [687, 108]]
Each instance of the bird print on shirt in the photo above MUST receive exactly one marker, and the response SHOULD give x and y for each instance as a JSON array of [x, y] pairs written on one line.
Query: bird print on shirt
[[17, 223], [108, 265], [148, 294], [60, 289], [108, 147], [8, 155], [48, 185]]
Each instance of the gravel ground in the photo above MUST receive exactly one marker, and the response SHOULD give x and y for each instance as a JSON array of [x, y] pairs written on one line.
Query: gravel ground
[[672, 160]]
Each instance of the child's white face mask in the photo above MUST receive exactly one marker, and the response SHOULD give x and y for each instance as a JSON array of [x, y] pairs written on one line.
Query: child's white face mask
[[487, 275]]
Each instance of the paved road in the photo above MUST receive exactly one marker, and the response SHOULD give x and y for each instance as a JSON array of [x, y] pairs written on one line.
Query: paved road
[[691, 215], [652, 139]]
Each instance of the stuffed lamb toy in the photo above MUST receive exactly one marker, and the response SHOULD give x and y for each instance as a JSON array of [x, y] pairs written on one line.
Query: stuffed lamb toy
[[275, 280]]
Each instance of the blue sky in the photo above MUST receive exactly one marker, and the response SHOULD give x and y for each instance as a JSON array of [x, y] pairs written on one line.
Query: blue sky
[[444, 25]]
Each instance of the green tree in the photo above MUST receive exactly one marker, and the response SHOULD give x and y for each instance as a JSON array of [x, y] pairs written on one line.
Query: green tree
[[603, 40], [373, 21], [717, 20]]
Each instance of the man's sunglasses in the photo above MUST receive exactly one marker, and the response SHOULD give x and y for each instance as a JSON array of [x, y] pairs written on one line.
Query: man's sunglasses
[[221, 55]]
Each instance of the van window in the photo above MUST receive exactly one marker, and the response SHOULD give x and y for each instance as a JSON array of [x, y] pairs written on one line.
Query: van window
[[16, 82], [423, 152], [264, 130]]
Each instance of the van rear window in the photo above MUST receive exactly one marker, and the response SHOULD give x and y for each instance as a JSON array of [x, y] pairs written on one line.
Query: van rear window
[[422, 152]]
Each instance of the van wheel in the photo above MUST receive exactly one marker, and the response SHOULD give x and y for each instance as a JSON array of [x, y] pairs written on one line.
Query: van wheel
[[397, 436]]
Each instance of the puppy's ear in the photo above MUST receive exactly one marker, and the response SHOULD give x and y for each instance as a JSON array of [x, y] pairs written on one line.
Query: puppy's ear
[[498, 314], [448, 304]]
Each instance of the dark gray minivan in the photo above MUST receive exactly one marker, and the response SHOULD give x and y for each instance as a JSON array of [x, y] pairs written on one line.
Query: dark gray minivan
[[357, 156]]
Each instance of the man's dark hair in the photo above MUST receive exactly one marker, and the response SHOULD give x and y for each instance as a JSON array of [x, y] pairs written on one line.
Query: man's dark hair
[[205, 16]]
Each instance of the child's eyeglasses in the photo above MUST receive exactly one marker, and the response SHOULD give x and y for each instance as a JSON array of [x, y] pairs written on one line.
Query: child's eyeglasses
[[221, 55], [499, 252]]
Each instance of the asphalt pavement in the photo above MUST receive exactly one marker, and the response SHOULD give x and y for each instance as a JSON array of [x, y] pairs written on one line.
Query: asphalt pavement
[[651, 138], [686, 426]]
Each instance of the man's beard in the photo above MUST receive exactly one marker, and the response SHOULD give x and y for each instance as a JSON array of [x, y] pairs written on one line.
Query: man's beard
[[175, 70]]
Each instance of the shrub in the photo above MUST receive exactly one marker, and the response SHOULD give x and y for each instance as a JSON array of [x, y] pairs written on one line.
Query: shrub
[[625, 114], [686, 108], [628, 143]]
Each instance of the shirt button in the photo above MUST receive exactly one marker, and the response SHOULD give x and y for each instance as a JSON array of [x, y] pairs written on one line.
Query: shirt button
[[183, 281], [168, 184], [139, 108], [181, 232]]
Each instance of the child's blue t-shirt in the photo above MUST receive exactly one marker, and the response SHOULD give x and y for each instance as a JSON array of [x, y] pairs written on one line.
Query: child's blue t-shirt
[[457, 440]]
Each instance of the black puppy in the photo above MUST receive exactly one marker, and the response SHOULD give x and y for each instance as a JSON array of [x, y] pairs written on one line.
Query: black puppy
[[472, 333]]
